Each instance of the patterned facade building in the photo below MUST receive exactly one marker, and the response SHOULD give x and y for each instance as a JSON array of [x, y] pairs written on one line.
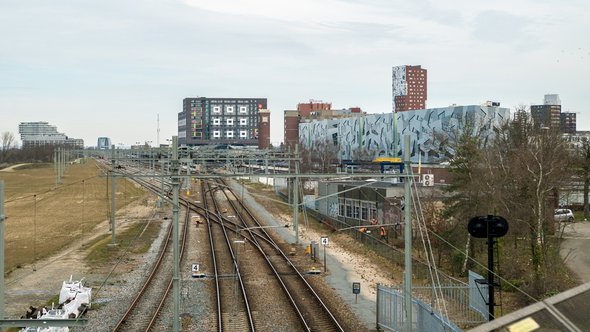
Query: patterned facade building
[[372, 135], [205, 121], [409, 86], [313, 110]]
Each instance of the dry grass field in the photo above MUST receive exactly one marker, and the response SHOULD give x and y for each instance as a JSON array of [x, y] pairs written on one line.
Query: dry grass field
[[42, 219]]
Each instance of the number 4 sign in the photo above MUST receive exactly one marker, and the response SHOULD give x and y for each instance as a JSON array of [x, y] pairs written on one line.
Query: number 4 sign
[[324, 240]]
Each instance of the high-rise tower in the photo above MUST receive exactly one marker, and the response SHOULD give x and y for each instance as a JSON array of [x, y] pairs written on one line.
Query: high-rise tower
[[409, 88]]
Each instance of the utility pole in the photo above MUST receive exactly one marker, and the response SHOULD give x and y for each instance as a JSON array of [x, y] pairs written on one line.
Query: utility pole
[[55, 167], [408, 236], [296, 196], [113, 192], [161, 199], [2, 249], [158, 133], [175, 242], [58, 165]]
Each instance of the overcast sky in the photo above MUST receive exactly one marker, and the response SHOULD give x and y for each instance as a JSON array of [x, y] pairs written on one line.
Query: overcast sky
[[109, 67]]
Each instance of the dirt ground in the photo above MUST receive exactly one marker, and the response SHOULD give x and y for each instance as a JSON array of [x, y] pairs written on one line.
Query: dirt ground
[[361, 264], [65, 221]]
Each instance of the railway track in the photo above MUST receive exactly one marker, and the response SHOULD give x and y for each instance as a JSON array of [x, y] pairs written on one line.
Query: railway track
[[143, 312], [233, 304], [308, 306]]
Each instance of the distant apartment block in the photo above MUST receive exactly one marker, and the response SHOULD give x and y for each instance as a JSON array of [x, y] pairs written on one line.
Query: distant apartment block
[[568, 122], [309, 111], [104, 143], [409, 86], [213, 121], [42, 133], [549, 115]]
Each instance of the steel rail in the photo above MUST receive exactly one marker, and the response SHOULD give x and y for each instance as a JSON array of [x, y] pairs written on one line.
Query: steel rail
[[213, 259], [121, 323], [234, 260], [254, 235]]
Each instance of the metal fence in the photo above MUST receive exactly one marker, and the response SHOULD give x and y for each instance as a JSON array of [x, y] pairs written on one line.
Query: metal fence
[[463, 302], [391, 313]]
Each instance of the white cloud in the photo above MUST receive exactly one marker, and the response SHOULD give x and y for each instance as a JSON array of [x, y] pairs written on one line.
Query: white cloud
[[118, 57]]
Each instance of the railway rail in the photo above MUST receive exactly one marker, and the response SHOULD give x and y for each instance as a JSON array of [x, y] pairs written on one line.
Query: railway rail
[[143, 311], [311, 312]]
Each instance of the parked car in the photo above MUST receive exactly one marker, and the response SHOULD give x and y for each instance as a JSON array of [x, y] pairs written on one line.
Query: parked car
[[563, 215]]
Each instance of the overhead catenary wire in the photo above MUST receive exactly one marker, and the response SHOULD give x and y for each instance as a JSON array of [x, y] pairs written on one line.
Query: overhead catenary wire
[[432, 268], [472, 259]]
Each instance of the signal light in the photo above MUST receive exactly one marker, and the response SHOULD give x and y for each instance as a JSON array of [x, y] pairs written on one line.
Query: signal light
[[484, 226]]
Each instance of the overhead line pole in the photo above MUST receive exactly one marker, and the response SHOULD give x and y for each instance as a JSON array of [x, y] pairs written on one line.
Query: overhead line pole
[[113, 192], [296, 197], [408, 236], [175, 240], [2, 249]]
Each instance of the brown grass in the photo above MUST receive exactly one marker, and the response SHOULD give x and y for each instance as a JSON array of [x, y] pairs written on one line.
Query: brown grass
[[43, 218]]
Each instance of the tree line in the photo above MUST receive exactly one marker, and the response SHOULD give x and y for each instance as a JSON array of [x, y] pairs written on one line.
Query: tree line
[[11, 154], [517, 174]]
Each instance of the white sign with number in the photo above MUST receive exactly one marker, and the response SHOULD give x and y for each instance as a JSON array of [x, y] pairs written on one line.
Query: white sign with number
[[195, 268], [324, 240]]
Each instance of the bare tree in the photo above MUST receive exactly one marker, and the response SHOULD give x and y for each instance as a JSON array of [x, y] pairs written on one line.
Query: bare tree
[[7, 140], [582, 167], [515, 174], [323, 154], [7, 144]]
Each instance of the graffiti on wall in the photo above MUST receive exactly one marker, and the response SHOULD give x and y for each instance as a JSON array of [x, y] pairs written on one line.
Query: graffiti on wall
[[333, 209]]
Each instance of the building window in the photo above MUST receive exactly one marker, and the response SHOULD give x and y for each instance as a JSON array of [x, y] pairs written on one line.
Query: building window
[[229, 122], [216, 134], [216, 121], [356, 209], [243, 109], [216, 109], [229, 109], [243, 122], [243, 134], [229, 134]]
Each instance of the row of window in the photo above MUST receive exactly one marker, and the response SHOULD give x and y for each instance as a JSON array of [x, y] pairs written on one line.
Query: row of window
[[230, 122], [357, 209], [230, 109], [230, 134]]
